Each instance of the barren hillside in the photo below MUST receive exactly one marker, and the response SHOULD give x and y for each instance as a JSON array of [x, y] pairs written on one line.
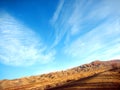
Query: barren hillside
[[97, 74], [108, 80]]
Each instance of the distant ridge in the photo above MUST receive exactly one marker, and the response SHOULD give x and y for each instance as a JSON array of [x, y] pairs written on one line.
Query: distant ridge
[[61, 78]]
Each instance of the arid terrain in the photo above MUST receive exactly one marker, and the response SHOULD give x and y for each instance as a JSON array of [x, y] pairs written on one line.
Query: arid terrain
[[97, 74], [108, 80]]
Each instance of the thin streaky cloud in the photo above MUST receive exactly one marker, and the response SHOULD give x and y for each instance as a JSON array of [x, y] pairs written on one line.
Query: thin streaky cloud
[[100, 43], [60, 25], [57, 12], [19, 45], [90, 29], [82, 17]]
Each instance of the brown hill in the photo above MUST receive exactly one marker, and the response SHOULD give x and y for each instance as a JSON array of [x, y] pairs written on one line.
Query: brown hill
[[108, 80], [97, 74]]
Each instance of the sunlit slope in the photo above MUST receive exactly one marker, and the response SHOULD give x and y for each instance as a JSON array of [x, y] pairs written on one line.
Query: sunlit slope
[[92, 75]]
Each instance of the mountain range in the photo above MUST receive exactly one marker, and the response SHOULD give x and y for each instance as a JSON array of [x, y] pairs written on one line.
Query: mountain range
[[97, 74]]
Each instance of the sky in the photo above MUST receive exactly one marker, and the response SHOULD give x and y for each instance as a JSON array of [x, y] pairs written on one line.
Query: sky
[[42, 36]]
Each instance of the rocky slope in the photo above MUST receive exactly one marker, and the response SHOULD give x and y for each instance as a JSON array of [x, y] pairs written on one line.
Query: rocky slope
[[70, 77], [108, 80]]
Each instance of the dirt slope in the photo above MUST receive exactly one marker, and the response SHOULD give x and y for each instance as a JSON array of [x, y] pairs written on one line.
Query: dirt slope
[[108, 80], [92, 75]]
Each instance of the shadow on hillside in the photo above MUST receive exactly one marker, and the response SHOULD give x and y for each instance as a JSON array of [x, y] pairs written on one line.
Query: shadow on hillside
[[82, 84]]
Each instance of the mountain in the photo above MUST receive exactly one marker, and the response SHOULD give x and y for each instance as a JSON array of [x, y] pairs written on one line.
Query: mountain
[[97, 74]]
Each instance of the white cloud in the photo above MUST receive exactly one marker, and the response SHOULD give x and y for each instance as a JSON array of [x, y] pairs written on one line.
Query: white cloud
[[90, 30], [19, 45], [100, 43], [57, 12], [58, 22], [76, 17], [87, 14]]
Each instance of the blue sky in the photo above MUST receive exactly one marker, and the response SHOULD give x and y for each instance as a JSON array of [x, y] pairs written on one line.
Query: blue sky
[[48, 35]]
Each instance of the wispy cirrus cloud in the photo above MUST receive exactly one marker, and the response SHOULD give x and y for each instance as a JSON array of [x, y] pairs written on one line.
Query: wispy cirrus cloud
[[57, 12], [100, 43], [59, 20], [19, 45], [90, 28], [78, 17]]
